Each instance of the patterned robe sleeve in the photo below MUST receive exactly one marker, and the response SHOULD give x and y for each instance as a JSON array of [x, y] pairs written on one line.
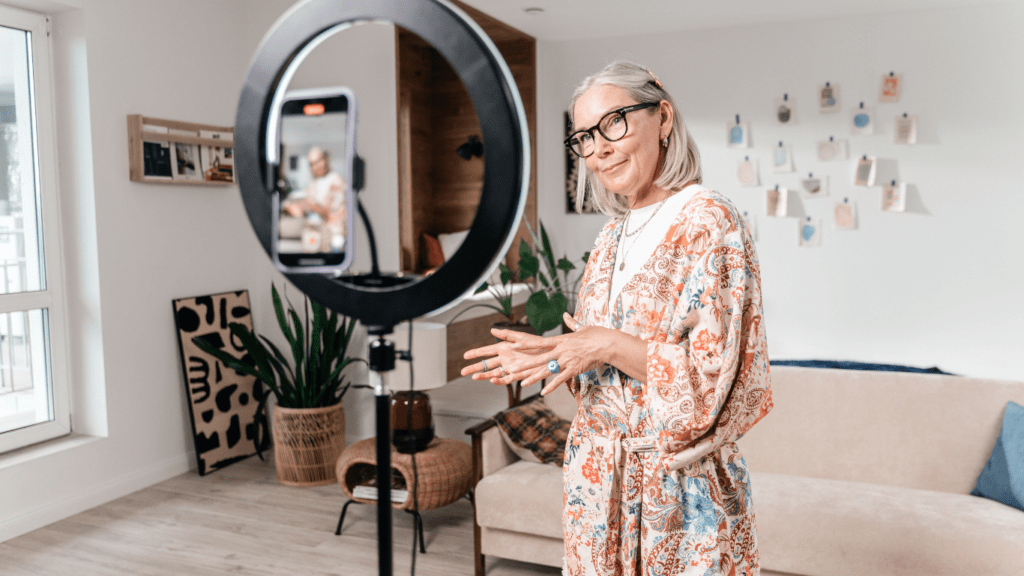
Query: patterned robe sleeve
[[707, 368]]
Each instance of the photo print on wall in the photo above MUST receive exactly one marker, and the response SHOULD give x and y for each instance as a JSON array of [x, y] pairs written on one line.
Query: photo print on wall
[[813, 186], [156, 156], [845, 214], [862, 121], [738, 134], [894, 197], [892, 85], [864, 175], [777, 202], [810, 232], [832, 150], [828, 98], [784, 110], [186, 161], [782, 159], [905, 131], [218, 162], [746, 172]]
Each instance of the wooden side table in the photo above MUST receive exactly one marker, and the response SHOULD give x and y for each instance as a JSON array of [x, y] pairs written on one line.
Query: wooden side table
[[444, 470]]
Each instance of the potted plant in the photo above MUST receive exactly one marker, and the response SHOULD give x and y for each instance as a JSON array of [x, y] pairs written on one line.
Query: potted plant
[[544, 308], [309, 420]]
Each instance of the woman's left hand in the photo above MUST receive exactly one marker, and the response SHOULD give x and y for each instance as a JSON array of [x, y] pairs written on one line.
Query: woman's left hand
[[525, 357]]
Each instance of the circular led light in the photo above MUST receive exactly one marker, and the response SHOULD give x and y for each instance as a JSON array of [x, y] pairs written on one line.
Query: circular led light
[[502, 119]]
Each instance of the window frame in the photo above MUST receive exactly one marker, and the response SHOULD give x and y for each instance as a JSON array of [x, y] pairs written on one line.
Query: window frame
[[52, 298]]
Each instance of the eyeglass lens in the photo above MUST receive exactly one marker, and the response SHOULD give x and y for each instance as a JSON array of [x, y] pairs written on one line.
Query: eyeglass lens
[[612, 127]]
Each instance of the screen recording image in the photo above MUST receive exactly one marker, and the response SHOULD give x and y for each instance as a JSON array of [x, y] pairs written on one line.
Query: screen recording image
[[315, 162]]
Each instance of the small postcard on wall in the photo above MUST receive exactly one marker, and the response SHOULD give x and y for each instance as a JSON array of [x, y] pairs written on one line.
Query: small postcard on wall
[[810, 232], [828, 98], [905, 129], [865, 172], [813, 186], [845, 214], [746, 172], [782, 159], [777, 202], [186, 161], [832, 149], [894, 197], [862, 121], [784, 110], [218, 161], [738, 134], [892, 85]]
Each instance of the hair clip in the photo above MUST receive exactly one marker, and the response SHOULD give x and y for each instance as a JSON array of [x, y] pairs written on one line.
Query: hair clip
[[656, 81]]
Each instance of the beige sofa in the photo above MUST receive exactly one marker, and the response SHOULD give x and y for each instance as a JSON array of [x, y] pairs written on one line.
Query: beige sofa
[[853, 472]]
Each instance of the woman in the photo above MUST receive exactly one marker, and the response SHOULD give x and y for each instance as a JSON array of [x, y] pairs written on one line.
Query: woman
[[667, 355]]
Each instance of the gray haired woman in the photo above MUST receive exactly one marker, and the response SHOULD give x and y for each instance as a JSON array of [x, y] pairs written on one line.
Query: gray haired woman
[[666, 356]]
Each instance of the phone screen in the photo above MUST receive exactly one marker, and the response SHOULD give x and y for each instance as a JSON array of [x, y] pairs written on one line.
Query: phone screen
[[315, 201]]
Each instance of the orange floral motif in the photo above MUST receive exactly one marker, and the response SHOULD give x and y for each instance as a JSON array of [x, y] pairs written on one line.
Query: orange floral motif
[[707, 379]]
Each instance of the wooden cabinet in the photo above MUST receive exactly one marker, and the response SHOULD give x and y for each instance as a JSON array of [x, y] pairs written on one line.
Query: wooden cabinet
[[438, 190]]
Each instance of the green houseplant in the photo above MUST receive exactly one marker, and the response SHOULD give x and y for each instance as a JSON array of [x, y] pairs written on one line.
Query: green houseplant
[[556, 293], [309, 420]]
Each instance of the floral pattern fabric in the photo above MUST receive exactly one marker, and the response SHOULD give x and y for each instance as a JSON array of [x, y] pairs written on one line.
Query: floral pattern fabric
[[654, 482]]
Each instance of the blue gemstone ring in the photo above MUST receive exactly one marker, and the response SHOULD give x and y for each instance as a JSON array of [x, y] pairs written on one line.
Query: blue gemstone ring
[[553, 367]]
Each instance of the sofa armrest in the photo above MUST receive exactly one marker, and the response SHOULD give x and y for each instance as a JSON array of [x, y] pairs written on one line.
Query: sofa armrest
[[490, 453]]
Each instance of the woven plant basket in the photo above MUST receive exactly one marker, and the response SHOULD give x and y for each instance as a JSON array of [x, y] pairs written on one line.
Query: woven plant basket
[[444, 469], [307, 443]]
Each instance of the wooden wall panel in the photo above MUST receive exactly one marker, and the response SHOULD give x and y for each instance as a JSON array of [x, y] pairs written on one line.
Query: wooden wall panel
[[439, 191]]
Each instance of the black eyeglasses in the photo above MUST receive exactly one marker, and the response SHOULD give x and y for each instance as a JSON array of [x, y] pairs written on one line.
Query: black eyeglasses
[[612, 127]]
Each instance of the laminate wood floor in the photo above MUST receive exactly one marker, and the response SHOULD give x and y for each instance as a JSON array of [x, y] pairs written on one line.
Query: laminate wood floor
[[241, 521]]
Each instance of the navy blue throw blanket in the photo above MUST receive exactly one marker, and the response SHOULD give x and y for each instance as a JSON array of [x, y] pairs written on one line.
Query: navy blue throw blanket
[[848, 365]]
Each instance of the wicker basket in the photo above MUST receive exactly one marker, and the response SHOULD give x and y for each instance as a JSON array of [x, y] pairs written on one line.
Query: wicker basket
[[444, 469], [307, 443]]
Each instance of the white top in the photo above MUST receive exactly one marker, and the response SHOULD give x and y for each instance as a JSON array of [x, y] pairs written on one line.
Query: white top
[[637, 249]]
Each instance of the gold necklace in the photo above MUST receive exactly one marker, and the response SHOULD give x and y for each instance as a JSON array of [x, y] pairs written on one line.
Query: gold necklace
[[627, 234]]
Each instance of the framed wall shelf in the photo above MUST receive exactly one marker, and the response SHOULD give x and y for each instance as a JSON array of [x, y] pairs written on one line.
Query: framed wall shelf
[[173, 152]]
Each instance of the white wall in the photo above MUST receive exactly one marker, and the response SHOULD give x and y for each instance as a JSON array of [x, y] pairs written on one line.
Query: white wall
[[939, 285], [131, 248]]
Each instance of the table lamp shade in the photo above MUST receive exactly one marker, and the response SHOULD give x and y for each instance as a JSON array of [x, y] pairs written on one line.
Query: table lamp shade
[[429, 356]]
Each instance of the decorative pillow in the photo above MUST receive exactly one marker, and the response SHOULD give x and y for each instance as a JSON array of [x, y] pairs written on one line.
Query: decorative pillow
[[534, 429], [1002, 479], [433, 255], [450, 243]]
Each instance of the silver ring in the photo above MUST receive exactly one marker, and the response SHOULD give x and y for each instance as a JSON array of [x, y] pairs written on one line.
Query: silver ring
[[553, 367], [484, 362], [502, 368]]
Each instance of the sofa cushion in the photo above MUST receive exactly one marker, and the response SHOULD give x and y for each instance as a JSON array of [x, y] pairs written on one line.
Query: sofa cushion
[[521, 497], [832, 527], [899, 429], [1003, 477], [535, 427]]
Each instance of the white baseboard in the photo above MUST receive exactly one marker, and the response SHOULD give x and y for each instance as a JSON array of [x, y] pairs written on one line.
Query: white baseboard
[[115, 488]]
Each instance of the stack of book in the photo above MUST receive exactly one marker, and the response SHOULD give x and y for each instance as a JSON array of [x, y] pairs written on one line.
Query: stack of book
[[366, 489]]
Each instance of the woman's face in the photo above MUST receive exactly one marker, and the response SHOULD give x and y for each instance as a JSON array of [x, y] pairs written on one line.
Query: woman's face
[[627, 166]]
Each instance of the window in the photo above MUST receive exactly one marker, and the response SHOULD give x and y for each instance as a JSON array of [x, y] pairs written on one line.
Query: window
[[33, 381]]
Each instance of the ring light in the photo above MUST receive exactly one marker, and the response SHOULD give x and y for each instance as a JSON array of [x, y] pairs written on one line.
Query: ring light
[[502, 118], [499, 110]]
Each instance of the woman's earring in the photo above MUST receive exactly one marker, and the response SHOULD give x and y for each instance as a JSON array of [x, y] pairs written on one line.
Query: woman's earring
[[664, 143]]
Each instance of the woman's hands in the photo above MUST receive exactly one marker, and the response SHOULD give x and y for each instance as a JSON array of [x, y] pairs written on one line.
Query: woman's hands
[[525, 357]]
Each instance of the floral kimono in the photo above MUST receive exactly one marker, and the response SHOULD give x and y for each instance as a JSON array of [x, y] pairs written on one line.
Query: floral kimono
[[654, 482]]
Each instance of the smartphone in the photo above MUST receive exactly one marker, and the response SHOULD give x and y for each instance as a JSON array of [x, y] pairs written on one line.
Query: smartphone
[[314, 204]]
